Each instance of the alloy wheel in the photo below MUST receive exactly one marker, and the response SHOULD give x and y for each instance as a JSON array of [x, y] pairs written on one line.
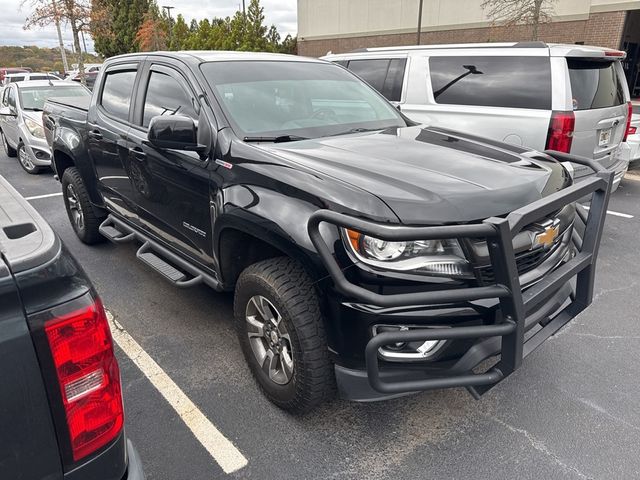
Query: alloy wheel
[[23, 156], [270, 342], [75, 209]]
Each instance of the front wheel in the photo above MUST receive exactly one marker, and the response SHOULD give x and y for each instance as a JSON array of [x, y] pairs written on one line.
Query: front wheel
[[25, 160], [282, 335], [79, 209]]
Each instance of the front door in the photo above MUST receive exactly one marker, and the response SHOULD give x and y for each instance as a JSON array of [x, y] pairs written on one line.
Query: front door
[[171, 186], [10, 123]]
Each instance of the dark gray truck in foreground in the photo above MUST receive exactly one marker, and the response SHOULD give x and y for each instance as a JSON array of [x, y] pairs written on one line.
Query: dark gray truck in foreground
[[365, 251], [61, 414]]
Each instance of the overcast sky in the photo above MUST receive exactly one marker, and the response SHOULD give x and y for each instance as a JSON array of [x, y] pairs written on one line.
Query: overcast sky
[[282, 13]]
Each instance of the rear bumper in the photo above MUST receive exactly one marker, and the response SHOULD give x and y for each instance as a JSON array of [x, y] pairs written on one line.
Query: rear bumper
[[509, 332]]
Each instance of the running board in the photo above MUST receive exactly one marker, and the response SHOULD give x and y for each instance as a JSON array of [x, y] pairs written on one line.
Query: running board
[[169, 265]]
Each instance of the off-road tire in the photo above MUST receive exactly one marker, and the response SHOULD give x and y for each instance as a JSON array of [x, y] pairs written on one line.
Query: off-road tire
[[287, 286], [88, 233], [11, 152]]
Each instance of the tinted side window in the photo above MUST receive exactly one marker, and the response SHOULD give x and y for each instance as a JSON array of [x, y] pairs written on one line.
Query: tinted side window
[[38, 77], [385, 75], [165, 96], [515, 82], [594, 84], [116, 93], [16, 79]]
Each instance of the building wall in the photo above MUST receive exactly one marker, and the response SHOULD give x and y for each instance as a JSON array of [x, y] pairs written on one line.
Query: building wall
[[344, 25]]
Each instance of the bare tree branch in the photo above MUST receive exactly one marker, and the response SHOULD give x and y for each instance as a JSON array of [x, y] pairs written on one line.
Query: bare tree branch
[[519, 12]]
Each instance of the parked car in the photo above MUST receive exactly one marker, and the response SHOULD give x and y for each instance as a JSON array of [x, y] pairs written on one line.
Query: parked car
[[363, 249], [569, 98], [26, 76], [633, 138], [90, 79], [60, 403], [21, 130], [74, 74], [7, 70]]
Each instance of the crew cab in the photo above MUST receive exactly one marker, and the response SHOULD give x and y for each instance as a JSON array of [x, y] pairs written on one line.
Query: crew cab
[[365, 251], [61, 413]]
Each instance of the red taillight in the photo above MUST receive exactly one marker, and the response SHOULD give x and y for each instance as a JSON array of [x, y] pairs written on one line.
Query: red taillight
[[560, 133], [627, 131], [88, 377], [632, 130]]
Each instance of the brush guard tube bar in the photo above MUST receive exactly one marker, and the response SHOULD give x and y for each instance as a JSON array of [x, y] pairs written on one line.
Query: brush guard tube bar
[[514, 303]]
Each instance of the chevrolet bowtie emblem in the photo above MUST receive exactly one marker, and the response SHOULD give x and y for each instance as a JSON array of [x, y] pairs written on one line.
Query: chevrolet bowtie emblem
[[546, 238]]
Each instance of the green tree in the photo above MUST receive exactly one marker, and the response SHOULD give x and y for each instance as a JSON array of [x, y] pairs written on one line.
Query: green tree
[[115, 24], [179, 34], [254, 34]]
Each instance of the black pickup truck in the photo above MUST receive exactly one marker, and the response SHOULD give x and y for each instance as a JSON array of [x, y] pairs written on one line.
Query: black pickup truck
[[61, 414], [364, 250]]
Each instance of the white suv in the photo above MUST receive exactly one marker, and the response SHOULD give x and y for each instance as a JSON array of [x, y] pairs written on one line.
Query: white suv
[[571, 98]]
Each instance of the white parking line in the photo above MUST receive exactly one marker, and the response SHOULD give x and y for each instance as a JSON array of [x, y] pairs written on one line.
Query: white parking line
[[615, 214], [219, 447], [48, 195]]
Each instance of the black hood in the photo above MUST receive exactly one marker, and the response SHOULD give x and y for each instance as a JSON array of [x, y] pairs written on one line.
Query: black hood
[[429, 175]]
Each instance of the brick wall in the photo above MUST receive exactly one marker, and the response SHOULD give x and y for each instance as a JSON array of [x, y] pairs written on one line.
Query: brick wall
[[601, 29]]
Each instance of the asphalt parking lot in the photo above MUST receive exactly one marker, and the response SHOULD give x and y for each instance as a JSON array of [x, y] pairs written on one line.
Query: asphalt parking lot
[[569, 412]]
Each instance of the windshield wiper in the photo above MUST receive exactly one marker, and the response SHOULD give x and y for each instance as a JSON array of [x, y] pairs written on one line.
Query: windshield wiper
[[33, 109], [356, 130], [278, 139]]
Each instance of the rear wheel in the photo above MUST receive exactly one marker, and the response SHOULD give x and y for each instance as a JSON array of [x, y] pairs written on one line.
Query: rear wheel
[[25, 160], [10, 152], [79, 209], [282, 334]]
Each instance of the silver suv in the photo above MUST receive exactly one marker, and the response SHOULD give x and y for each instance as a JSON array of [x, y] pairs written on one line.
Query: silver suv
[[571, 98]]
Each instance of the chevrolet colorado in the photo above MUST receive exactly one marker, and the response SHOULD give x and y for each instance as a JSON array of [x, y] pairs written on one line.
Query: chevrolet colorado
[[366, 252], [61, 414]]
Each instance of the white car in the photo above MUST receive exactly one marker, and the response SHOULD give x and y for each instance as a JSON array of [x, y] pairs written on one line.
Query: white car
[[569, 98], [21, 129], [26, 76]]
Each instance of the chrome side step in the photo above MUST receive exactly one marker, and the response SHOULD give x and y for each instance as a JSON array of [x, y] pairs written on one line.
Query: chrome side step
[[170, 266]]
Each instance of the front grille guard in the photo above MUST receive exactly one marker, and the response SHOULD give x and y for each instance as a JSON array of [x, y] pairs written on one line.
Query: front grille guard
[[515, 304]]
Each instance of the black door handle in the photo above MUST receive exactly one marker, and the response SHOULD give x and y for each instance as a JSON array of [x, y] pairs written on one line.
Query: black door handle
[[95, 134]]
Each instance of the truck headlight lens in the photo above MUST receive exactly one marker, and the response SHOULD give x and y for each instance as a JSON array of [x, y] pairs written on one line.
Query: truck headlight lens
[[34, 128], [429, 257]]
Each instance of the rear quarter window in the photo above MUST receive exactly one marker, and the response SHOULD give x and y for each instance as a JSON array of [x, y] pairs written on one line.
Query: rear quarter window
[[595, 84], [512, 82]]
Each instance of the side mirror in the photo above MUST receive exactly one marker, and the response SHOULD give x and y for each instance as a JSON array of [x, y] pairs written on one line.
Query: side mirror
[[176, 132], [7, 112]]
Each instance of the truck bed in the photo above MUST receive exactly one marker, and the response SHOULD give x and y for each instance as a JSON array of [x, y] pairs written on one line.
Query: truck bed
[[78, 103]]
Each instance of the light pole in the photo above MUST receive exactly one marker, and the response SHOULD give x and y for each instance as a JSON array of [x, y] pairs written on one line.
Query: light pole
[[168, 8], [419, 21]]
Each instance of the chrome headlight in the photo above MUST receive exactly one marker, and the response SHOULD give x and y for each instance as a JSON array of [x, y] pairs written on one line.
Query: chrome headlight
[[34, 128], [428, 257]]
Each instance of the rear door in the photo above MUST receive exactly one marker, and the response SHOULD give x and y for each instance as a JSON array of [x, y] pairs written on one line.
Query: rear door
[[599, 98], [108, 124], [28, 445]]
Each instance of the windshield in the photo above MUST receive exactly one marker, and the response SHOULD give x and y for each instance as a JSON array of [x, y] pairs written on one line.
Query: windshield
[[33, 98], [271, 99]]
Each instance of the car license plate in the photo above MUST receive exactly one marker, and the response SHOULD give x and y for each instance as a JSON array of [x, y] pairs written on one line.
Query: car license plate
[[604, 137]]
